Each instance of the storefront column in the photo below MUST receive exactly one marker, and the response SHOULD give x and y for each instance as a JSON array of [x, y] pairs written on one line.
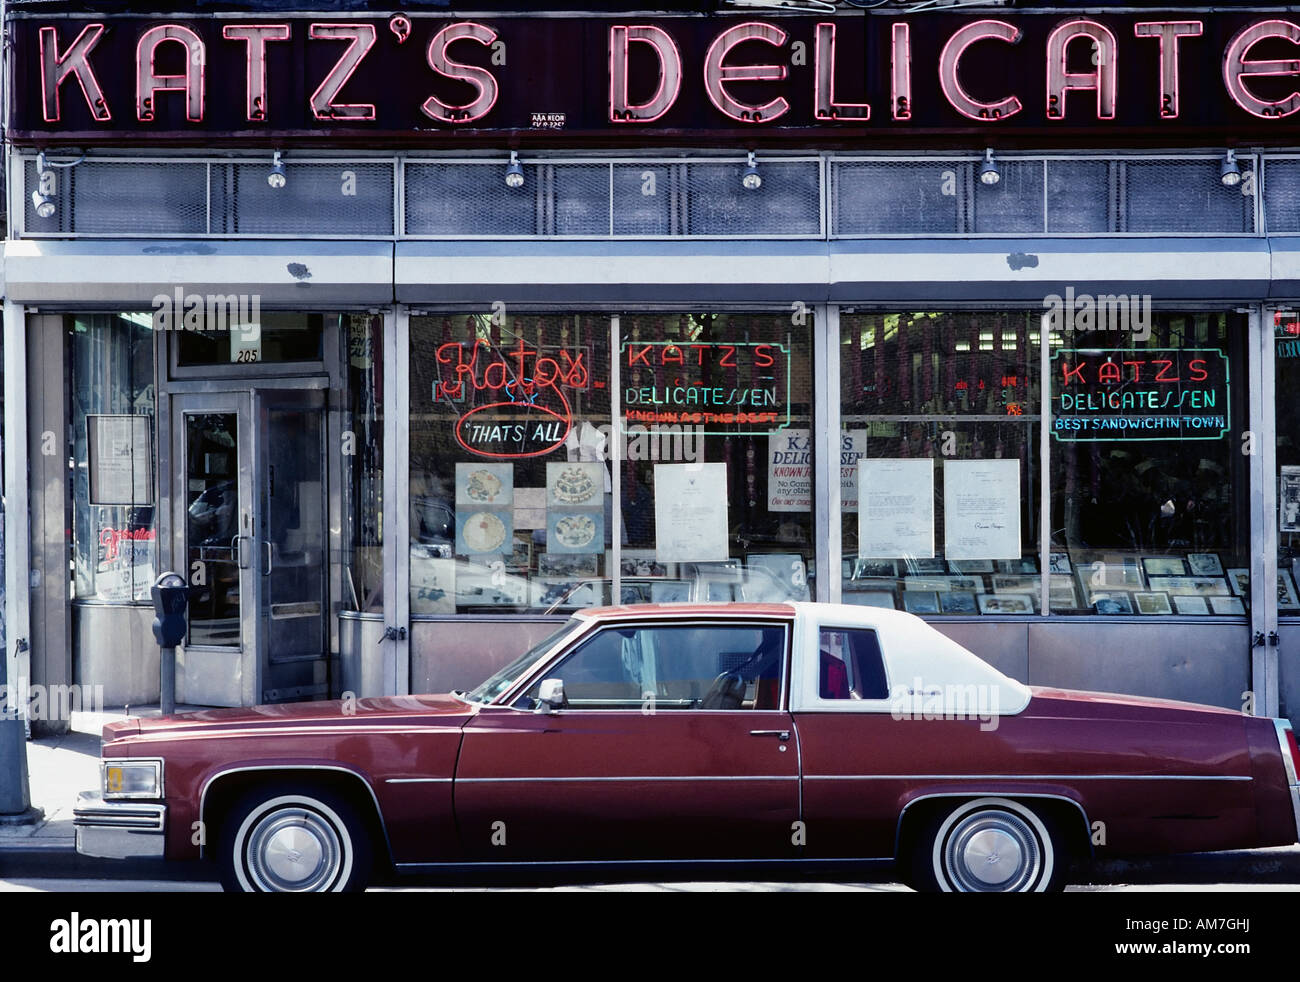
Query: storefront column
[[17, 545], [397, 507], [826, 452], [1264, 512]]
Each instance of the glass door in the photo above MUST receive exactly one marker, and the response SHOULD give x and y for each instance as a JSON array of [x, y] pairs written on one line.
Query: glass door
[[249, 498]]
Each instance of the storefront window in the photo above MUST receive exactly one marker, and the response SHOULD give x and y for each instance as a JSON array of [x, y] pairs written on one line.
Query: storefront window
[[939, 463], [363, 463], [240, 333], [1149, 481], [1286, 331], [114, 539], [513, 470]]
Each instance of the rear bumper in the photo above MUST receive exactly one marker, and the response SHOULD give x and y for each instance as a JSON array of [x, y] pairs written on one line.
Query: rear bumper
[[119, 829], [1282, 728]]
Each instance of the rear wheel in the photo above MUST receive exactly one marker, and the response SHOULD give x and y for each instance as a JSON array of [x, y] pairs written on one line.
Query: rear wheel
[[989, 845], [294, 840]]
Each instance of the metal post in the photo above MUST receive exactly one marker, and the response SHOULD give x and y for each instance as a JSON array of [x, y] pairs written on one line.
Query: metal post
[[167, 662]]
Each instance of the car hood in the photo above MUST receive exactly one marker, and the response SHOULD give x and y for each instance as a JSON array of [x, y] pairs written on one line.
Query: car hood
[[433, 710]]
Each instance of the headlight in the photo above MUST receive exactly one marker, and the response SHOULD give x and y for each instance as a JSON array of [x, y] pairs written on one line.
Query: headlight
[[127, 778]]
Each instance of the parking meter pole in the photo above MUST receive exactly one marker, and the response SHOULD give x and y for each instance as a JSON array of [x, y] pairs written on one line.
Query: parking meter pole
[[167, 659], [15, 798], [170, 599]]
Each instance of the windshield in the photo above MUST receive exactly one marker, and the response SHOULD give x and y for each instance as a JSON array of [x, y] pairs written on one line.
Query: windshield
[[505, 677]]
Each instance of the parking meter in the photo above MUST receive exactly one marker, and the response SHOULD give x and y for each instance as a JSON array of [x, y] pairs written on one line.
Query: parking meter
[[170, 598]]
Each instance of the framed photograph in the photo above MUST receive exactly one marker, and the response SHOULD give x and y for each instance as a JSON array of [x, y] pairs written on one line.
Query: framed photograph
[[1061, 593], [1152, 603], [484, 485], [521, 557], [921, 601], [968, 567], [639, 562], [1191, 586], [1286, 595], [1059, 562], [958, 602], [923, 567], [1204, 564], [484, 532], [571, 567], [1163, 566], [575, 485], [935, 583], [873, 583], [575, 532], [1190, 605], [1003, 583], [1239, 580], [1288, 500], [1227, 605], [872, 598], [874, 567], [1115, 602], [1024, 565], [1005, 603], [846, 569], [1110, 576]]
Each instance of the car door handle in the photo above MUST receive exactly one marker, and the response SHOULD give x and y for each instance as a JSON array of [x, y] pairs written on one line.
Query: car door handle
[[782, 735]]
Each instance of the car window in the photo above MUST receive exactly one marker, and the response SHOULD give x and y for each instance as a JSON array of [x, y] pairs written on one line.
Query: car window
[[653, 668], [850, 665]]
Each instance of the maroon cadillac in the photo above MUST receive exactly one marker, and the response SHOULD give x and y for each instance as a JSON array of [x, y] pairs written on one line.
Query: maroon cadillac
[[731, 735]]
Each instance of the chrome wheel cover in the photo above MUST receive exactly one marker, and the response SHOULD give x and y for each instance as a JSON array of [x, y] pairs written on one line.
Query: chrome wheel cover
[[292, 845], [993, 845]]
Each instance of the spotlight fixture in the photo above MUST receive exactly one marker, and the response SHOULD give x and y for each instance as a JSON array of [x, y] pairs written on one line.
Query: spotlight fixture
[[1229, 172], [43, 201], [989, 173], [752, 179], [515, 171], [277, 178]]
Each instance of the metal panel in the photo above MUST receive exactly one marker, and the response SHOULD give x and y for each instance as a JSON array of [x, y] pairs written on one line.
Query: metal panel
[[397, 507], [1263, 513], [1004, 645], [1289, 669], [128, 668], [51, 634], [1203, 661], [134, 272], [826, 452], [361, 663], [17, 545], [461, 653]]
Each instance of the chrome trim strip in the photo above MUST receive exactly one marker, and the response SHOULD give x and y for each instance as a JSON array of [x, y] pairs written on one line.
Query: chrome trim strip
[[417, 780], [648, 777], [898, 829], [379, 812], [1027, 777], [473, 864]]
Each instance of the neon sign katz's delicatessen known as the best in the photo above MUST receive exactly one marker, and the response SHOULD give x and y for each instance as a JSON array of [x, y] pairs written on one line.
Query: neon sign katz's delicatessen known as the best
[[309, 74]]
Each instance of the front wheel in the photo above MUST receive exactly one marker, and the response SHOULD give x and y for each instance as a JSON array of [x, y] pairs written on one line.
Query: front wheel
[[294, 840], [989, 845]]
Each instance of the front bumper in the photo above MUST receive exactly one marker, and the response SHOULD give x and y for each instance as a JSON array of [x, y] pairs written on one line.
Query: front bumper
[[118, 829]]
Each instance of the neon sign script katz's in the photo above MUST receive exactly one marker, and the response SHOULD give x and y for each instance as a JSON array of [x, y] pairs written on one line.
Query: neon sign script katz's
[[708, 383], [522, 408]]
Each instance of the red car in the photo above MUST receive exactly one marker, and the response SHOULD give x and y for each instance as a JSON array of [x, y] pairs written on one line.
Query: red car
[[721, 734]]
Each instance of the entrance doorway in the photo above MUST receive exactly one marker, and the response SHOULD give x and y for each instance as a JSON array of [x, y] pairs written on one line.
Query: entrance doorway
[[249, 511]]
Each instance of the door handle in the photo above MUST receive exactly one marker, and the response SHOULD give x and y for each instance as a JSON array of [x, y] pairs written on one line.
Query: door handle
[[266, 559], [237, 547], [781, 735]]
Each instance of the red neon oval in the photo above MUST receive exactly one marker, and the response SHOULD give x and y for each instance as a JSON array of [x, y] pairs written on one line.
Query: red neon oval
[[568, 425]]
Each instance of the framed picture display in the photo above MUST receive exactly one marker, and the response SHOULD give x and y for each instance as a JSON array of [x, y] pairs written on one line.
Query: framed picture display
[[1194, 586], [1239, 581], [1005, 583], [958, 602], [923, 567], [1059, 562], [1286, 595], [969, 567], [1288, 500], [1164, 566], [1062, 594], [1204, 564], [1024, 565], [1227, 605], [1005, 603], [872, 598], [1152, 603], [936, 583], [1114, 602], [874, 567], [1191, 605], [921, 601]]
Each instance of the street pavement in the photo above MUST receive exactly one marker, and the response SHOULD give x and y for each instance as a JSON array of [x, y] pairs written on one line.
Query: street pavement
[[42, 856]]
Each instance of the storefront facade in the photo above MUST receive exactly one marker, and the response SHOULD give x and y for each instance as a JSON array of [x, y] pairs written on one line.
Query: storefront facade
[[285, 314]]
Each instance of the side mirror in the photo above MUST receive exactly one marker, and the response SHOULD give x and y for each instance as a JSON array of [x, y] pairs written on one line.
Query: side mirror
[[550, 696]]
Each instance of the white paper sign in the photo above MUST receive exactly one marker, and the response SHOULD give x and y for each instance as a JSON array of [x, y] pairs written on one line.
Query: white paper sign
[[690, 513], [981, 509], [789, 469], [895, 508]]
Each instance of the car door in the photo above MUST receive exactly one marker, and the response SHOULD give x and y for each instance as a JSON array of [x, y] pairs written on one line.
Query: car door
[[674, 744]]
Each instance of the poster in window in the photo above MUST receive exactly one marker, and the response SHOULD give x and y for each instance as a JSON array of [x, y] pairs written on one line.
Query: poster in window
[[895, 508], [981, 509], [691, 513], [120, 450], [1289, 500]]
